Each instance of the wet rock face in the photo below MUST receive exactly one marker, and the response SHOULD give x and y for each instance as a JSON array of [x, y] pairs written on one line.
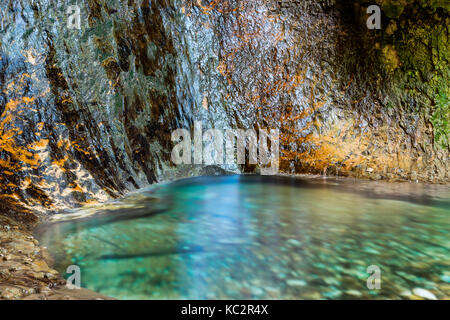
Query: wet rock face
[[88, 114]]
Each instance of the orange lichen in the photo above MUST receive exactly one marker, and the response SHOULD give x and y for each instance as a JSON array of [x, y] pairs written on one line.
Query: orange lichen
[[18, 153], [76, 187], [206, 9], [39, 145], [40, 126], [60, 163]]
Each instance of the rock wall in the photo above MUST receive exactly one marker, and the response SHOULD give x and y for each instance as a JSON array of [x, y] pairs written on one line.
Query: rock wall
[[87, 115]]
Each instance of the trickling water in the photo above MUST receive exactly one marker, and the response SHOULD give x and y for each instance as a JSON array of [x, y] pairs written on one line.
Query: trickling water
[[239, 237]]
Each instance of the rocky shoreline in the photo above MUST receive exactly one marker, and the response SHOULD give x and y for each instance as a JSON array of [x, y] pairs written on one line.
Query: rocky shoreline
[[25, 267], [25, 272]]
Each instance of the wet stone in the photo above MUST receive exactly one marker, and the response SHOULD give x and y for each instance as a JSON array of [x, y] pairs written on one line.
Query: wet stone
[[424, 294], [296, 283]]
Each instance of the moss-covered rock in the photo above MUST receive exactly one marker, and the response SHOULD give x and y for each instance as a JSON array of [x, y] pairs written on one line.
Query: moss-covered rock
[[416, 56]]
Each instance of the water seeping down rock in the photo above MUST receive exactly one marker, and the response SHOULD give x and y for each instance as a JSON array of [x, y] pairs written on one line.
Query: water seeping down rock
[[87, 115]]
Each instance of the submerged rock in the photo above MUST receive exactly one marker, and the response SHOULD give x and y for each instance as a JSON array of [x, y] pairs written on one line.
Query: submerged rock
[[296, 283], [424, 294]]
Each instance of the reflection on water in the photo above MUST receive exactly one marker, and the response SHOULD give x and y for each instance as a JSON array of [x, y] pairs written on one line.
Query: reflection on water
[[247, 237]]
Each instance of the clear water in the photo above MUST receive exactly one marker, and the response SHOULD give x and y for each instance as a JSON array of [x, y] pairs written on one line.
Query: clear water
[[248, 237]]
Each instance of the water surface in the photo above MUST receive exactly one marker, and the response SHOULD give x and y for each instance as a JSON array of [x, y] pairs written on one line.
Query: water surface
[[248, 237]]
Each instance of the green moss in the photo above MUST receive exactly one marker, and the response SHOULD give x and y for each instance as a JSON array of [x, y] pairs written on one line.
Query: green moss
[[390, 58], [435, 4], [424, 55], [393, 8], [440, 119], [440, 82]]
